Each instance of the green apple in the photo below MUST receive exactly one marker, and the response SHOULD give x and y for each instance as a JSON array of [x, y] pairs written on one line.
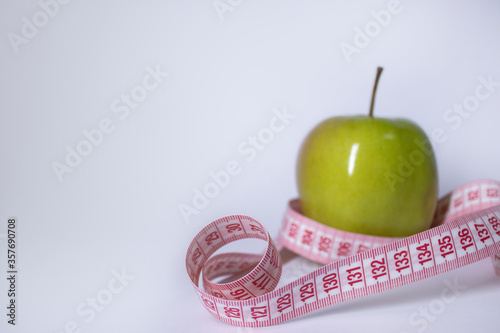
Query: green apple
[[368, 175]]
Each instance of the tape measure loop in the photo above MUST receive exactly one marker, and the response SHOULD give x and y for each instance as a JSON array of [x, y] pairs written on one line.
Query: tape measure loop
[[264, 275]]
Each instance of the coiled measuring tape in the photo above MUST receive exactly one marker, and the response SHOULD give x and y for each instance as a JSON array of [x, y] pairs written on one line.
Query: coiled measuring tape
[[466, 229]]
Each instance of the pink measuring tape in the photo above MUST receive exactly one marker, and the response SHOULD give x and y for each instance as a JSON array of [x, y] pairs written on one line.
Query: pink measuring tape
[[466, 229]]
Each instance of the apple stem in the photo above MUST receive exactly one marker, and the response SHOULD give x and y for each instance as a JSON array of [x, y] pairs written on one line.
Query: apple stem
[[379, 71]]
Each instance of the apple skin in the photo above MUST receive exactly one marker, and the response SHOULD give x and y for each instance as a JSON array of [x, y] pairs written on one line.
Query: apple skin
[[368, 175]]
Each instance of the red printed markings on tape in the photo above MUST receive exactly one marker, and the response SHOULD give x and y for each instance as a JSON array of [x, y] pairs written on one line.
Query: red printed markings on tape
[[321, 243], [470, 232]]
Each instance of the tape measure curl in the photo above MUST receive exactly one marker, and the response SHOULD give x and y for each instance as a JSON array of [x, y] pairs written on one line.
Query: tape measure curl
[[466, 229]]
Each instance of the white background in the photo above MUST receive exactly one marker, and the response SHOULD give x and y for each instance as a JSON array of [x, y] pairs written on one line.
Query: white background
[[118, 209]]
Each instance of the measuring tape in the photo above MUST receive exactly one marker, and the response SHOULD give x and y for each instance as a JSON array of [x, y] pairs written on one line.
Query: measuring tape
[[466, 229]]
